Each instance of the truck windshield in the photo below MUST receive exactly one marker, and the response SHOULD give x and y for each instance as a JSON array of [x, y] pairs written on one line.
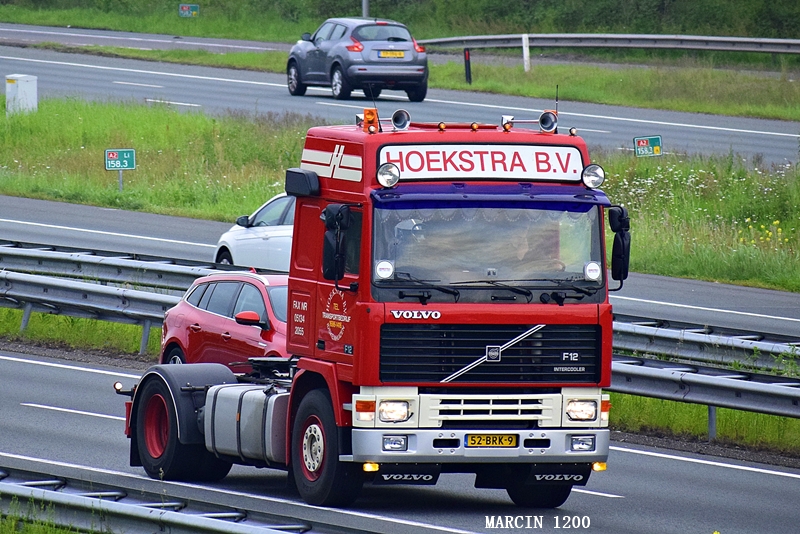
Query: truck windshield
[[474, 246]]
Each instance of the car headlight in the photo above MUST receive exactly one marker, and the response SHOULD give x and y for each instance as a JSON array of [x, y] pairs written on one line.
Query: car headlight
[[581, 410], [393, 411]]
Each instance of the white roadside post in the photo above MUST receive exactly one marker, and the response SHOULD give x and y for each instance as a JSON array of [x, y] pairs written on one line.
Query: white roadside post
[[22, 94], [526, 52]]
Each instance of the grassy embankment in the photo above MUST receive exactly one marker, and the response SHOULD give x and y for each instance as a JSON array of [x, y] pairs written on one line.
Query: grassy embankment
[[709, 218]]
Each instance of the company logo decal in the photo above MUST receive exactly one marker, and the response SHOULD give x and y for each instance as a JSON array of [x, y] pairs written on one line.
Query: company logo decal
[[336, 314], [407, 314], [576, 478], [334, 164]]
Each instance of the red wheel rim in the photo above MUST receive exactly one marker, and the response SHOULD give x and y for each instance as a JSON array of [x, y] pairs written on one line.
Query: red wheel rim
[[312, 448], [156, 426]]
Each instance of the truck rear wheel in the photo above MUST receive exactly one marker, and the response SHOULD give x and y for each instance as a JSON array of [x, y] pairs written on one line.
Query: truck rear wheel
[[320, 477], [162, 455], [542, 496]]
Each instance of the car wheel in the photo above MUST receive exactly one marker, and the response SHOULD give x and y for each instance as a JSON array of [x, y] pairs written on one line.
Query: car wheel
[[339, 85], [296, 87], [224, 257], [418, 93], [175, 356], [320, 476]]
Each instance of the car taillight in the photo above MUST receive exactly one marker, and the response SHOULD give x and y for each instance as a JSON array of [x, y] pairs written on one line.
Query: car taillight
[[356, 46], [418, 47]]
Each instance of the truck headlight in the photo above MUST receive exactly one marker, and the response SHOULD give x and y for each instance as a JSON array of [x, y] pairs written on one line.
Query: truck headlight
[[393, 411], [581, 410], [593, 176]]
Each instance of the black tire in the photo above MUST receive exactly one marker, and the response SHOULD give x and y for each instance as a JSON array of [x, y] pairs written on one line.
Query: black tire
[[340, 87], [320, 477], [175, 356], [418, 93], [225, 257], [296, 87], [543, 496], [372, 92], [162, 455]]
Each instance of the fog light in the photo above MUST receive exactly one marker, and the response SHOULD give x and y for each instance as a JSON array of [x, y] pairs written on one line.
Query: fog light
[[395, 443], [393, 411], [581, 443], [371, 467], [598, 466], [581, 410]]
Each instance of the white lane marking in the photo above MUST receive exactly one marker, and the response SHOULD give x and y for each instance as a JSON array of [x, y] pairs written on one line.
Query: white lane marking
[[624, 119], [142, 71], [335, 105], [138, 39], [156, 101], [114, 234], [140, 84], [597, 493], [226, 492], [69, 367], [77, 412], [702, 308], [758, 470]]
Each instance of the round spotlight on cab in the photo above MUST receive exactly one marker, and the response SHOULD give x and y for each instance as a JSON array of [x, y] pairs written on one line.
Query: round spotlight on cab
[[401, 119], [388, 175], [548, 121], [593, 176], [573, 131], [441, 126]]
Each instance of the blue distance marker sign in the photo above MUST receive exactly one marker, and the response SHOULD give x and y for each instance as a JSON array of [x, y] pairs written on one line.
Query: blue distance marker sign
[[189, 10], [120, 159], [647, 146]]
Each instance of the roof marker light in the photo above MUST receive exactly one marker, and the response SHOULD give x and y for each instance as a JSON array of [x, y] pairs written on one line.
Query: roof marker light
[[441, 126], [370, 123]]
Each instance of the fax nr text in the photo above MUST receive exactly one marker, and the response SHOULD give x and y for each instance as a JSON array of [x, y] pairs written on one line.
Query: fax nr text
[[520, 522]]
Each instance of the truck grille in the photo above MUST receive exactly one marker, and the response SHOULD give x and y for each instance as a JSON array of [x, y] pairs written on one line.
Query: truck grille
[[433, 352]]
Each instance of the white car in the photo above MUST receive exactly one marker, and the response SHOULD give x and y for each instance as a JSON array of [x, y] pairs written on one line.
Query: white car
[[262, 240]]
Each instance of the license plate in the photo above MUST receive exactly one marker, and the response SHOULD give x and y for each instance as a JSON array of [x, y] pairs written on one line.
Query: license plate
[[391, 53], [490, 440]]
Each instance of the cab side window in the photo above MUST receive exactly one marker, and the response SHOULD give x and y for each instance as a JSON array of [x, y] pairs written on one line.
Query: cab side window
[[353, 237]]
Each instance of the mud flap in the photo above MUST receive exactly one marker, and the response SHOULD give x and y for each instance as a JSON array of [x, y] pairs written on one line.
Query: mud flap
[[499, 476], [416, 474]]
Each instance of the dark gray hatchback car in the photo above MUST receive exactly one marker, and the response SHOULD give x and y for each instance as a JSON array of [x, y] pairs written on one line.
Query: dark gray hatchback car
[[359, 53]]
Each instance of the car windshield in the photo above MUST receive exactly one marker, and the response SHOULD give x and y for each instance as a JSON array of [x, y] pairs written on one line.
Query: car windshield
[[381, 32], [487, 245]]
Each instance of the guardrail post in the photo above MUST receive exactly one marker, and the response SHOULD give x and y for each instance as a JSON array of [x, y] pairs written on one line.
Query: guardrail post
[[467, 66], [526, 52], [26, 316], [145, 336], [712, 423]]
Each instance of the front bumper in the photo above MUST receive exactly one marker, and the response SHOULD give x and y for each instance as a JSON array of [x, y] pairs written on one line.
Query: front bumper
[[425, 446]]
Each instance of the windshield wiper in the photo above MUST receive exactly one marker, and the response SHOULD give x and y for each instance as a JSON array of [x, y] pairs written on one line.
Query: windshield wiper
[[424, 296], [560, 296], [519, 290]]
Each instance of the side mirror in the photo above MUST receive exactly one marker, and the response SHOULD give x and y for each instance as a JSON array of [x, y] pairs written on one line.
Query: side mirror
[[250, 318], [620, 224], [243, 220], [336, 217], [618, 219], [305, 37]]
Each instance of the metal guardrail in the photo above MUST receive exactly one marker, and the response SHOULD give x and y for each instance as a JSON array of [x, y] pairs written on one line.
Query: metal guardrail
[[607, 40], [672, 373]]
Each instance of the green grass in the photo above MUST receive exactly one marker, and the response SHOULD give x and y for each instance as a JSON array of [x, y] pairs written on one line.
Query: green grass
[[631, 413], [694, 89]]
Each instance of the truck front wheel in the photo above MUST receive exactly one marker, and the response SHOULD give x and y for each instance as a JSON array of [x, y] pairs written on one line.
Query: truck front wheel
[[320, 477], [542, 496]]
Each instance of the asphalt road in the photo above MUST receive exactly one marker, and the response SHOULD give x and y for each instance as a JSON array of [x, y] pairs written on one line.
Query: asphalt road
[[218, 90], [65, 415]]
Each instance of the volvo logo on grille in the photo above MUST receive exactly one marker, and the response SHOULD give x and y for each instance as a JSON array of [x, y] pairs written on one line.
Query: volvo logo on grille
[[493, 353], [416, 314]]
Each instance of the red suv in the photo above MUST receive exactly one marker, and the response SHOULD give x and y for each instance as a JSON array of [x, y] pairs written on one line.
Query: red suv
[[227, 318]]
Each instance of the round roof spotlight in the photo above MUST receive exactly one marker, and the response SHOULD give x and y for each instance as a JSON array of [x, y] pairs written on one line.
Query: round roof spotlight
[[441, 126], [573, 131], [388, 175], [593, 176], [401, 119], [548, 121]]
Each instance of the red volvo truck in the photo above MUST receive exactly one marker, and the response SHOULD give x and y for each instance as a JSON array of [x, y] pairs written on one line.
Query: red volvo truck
[[448, 313]]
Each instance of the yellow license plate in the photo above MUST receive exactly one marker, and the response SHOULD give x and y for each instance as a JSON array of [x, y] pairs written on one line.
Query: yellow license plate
[[490, 440], [391, 53]]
